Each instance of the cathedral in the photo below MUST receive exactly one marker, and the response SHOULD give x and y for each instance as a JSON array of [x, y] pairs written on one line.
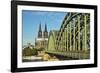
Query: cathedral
[[41, 41]]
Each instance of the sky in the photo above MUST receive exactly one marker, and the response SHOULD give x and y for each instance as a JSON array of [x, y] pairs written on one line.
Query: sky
[[32, 19]]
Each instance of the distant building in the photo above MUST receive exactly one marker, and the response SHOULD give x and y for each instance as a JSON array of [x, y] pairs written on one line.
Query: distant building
[[42, 40], [29, 45]]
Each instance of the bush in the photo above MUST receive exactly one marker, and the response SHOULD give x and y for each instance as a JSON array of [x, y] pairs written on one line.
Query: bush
[[29, 52], [34, 51]]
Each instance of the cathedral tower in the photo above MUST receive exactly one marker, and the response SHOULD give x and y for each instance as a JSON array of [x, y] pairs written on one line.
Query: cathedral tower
[[45, 33], [42, 39], [40, 32]]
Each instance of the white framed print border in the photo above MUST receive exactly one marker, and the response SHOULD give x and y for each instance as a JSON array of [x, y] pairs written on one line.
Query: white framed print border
[[79, 58]]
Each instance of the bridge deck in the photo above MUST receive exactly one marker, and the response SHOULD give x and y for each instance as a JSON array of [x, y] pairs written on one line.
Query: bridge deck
[[75, 54]]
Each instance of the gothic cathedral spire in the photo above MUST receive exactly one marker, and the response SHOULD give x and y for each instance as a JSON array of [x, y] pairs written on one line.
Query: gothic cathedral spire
[[40, 32], [45, 32], [45, 28], [40, 28]]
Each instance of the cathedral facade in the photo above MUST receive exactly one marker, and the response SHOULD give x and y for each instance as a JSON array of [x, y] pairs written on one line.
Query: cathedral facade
[[41, 41]]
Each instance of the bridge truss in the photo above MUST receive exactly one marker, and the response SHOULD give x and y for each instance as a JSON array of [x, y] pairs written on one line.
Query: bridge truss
[[73, 37]]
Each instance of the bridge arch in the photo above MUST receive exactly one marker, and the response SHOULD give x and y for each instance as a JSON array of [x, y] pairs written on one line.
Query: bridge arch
[[74, 33], [52, 40], [73, 37]]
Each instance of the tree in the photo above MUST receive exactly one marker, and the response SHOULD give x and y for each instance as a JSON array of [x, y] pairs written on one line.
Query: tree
[[29, 52]]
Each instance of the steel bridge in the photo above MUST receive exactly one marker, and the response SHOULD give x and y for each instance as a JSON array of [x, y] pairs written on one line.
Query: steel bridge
[[73, 37]]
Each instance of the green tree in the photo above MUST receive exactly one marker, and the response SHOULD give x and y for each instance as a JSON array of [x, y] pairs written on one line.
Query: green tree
[[34, 51], [29, 52]]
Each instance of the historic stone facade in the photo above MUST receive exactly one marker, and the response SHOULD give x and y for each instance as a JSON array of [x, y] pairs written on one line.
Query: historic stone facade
[[41, 41]]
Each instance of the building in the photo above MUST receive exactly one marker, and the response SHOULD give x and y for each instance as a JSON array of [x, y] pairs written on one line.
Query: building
[[41, 41]]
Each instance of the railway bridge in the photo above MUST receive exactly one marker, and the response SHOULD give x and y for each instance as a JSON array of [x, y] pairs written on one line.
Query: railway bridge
[[73, 37]]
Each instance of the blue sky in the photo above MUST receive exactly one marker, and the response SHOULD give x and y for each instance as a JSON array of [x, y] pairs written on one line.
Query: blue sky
[[32, 19]]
